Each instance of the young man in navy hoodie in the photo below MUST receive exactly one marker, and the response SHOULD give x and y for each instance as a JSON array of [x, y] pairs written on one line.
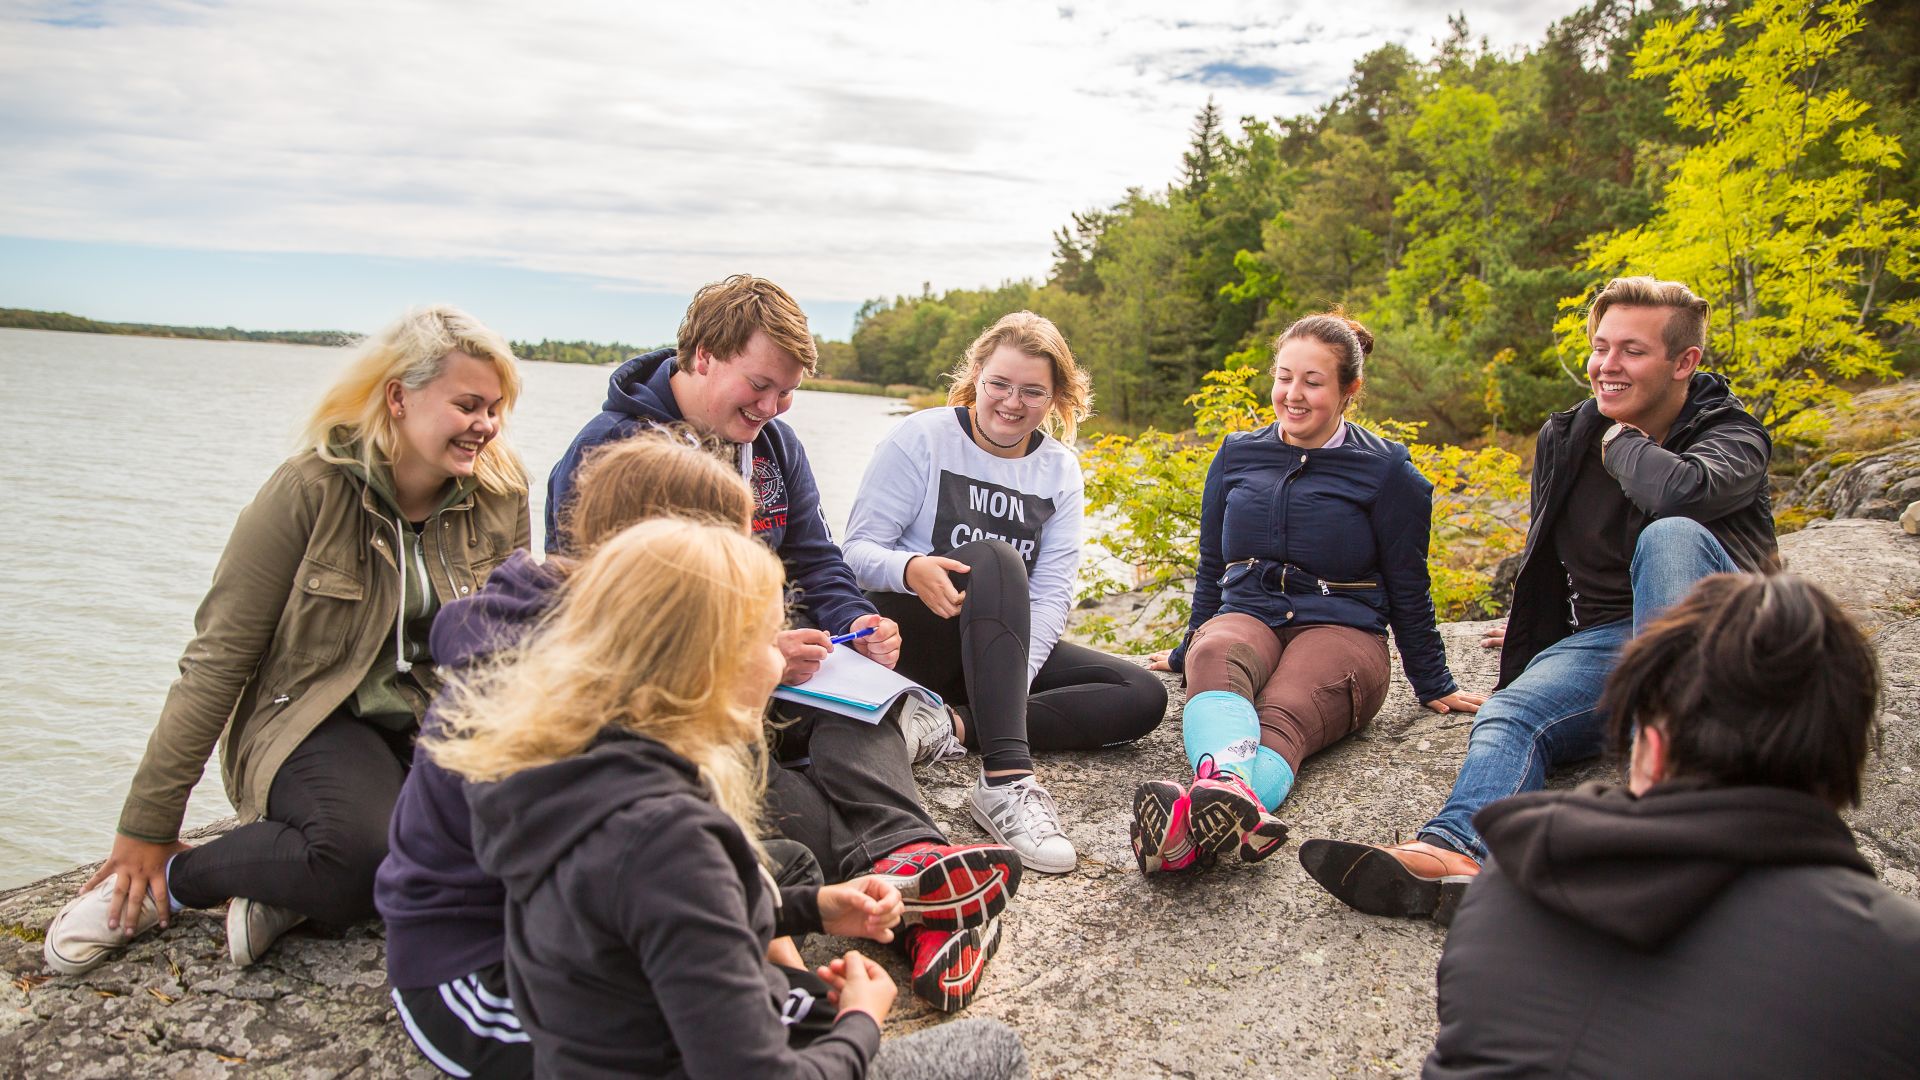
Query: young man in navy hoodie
[[1655, 482], [744, 347]]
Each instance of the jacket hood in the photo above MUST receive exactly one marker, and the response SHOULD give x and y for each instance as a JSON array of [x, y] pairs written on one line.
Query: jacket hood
[[640, 388], [379, 478], [1641, 869], [518, 593], [528, 822]]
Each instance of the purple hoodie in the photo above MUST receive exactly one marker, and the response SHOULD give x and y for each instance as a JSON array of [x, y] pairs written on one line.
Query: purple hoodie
[[445, 916]]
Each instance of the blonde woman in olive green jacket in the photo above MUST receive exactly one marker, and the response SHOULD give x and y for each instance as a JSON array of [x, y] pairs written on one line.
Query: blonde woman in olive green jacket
[[308, 663]]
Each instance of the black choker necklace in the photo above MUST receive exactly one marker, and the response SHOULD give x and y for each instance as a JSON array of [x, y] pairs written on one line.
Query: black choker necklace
[[989, 439]]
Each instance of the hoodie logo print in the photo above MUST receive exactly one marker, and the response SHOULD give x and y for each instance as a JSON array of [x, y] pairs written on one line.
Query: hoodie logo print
[[769, 496]]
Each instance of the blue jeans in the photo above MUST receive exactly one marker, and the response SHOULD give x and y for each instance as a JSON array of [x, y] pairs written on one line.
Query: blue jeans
[[1550, 715]]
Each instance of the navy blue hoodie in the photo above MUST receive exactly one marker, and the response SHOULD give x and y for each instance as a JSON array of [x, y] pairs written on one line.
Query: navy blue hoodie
[[786, 516], [445, 916], [638, 919], [1333, 536]]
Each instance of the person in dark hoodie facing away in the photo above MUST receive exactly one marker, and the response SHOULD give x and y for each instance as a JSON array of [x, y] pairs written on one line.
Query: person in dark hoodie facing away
[[1657, 481], [617, 775], [1714, 917], [310, 664], [445, 915], [743, 349]]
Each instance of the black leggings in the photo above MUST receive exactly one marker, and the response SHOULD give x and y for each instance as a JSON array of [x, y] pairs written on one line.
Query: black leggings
[[325, 833], [1081, 700]]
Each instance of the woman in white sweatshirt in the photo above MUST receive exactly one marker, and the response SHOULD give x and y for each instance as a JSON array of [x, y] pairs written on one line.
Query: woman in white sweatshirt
[[966, 532]]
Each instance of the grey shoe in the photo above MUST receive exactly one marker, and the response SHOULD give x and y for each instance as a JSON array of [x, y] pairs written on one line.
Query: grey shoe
[[1023, 816], [929, 731], [78, 939], [253, 927]]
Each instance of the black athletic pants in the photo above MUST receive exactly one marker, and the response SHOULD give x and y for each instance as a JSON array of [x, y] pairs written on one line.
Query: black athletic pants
[[844, 788], [1081, 699], [325, 831]]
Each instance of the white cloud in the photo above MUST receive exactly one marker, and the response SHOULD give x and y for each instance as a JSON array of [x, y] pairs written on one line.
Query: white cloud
[[845, 149]]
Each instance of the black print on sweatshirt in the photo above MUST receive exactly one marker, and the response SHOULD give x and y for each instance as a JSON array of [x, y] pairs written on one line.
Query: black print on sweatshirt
[[971, 509], [769, 496]]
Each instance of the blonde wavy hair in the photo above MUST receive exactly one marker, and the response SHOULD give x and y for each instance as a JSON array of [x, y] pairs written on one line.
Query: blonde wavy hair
[[1034, 335], [668, 470], [413, 352], [654, 633]]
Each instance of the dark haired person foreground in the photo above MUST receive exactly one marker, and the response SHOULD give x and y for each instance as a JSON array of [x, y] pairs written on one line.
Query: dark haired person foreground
[[1313, 541], [309, 664], [1713, 917], [846, 790], [1657, 481]]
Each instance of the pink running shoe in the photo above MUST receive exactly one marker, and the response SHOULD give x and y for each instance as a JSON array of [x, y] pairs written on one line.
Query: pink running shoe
[[1224, 809], [1159, 829]]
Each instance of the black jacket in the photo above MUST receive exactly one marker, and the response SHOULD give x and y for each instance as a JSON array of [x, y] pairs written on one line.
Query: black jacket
[[1691, 932], [1712, 468], [638, 920]]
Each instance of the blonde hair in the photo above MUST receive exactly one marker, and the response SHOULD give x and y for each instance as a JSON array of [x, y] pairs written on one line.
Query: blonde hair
[[725, 314], [413, 351], [653, 634], [669, 470], [1687, 313], [1034, 335]]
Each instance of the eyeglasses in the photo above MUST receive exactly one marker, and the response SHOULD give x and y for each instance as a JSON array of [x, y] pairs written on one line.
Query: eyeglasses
[[1031, 396]]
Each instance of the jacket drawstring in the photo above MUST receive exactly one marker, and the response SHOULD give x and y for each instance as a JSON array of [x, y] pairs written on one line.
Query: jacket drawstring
[[746, 464], [400, 661]]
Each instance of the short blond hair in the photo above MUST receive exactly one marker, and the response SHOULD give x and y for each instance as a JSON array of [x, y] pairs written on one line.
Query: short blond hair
[[668, 470], [1034, 335], [1687, 313], [725, 314], [653, 634], [413, 351]]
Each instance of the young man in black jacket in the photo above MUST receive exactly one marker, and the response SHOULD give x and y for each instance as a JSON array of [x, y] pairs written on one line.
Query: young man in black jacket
[[1652, 484]]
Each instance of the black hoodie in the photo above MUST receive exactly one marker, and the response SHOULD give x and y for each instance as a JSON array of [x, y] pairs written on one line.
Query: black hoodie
[[1694, 931], [638, 919]]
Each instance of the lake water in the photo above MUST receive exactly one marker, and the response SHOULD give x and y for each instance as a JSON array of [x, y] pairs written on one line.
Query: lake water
[[123, 462]]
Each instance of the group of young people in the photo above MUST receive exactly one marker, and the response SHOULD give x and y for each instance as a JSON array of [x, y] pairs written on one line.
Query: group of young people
[[595, 837]]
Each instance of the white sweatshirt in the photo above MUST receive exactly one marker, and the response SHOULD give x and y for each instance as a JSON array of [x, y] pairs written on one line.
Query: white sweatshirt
[[930, 489]]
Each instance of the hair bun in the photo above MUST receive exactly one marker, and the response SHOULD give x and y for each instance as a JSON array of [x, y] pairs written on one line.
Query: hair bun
[[1365, 335]]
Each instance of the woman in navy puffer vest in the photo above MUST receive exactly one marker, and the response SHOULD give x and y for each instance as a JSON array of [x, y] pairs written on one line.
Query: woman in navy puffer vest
[[1313, 541]]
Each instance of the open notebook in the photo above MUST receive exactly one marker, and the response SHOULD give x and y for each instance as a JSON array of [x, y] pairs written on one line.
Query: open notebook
[[852, 685]]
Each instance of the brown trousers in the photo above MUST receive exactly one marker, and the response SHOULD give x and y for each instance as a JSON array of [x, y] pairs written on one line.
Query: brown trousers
[[1312, 685]]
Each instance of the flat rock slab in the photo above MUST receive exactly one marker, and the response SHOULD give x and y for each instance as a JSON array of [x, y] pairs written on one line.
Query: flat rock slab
[[1242, 971]]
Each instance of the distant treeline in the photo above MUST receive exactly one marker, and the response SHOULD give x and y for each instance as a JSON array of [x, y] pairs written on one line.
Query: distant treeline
[[21, 318]]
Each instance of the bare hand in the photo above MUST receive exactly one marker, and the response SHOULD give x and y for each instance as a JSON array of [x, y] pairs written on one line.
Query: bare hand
[[803, 650], [141, 870], [883, 645], [857, 984], [1458, 701], [1495, 636], [1159, 662], [927, 576], [866, 907]]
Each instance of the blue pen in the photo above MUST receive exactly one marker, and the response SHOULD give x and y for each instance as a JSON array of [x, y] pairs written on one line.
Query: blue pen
[[844, 638]]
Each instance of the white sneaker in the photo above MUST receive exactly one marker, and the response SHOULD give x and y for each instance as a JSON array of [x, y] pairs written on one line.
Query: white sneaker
[[78, 938], [929, 731], [253, 927], [1023, 816]]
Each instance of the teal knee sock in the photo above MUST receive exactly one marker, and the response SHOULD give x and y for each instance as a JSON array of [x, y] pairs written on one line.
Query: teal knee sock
[[1223, 726], [1272, 777]]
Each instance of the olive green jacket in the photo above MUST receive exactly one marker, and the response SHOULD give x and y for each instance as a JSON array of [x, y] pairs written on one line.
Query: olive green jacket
[[302, 601]]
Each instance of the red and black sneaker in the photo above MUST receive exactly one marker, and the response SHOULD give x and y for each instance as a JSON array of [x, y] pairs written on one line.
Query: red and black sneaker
[[947, 966], [952, 888]]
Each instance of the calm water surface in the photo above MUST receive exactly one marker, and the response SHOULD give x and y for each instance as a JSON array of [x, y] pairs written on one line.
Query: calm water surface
[[123, 462]]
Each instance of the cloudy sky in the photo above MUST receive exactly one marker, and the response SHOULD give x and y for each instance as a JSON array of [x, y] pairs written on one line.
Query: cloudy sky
[[574, 169]]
